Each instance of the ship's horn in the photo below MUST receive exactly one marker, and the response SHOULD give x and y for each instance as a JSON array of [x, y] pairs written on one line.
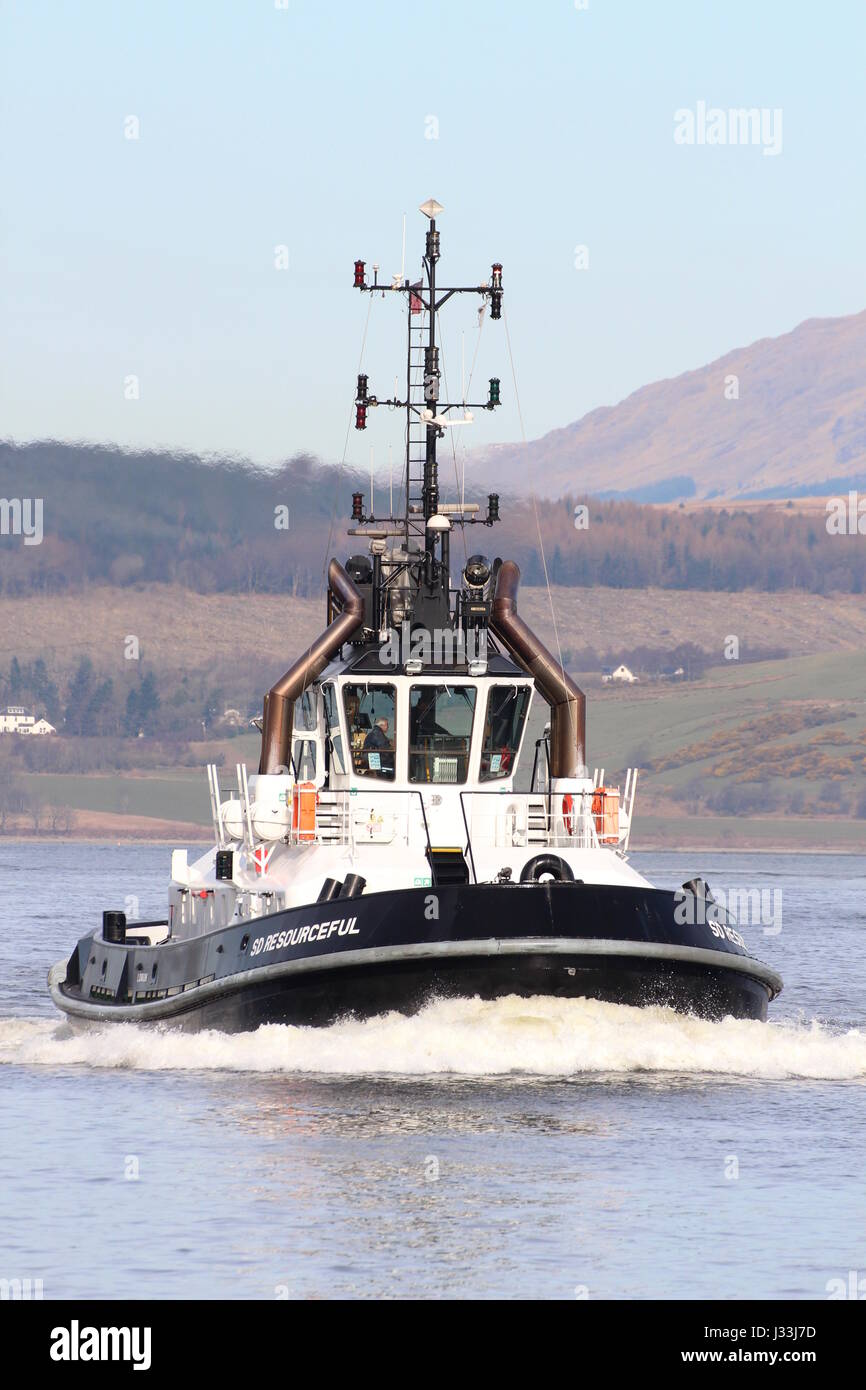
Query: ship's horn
[[567, 702], [280, 700]]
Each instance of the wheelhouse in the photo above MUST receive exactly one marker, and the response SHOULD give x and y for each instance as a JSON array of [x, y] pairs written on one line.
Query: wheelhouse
[[438, 729]]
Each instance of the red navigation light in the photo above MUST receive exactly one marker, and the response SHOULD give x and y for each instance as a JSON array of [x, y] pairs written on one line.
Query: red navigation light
[[360, 282], [360, 416], [357, 506]]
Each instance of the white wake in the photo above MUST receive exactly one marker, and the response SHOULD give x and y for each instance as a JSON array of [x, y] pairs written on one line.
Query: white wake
[[465, 1037]]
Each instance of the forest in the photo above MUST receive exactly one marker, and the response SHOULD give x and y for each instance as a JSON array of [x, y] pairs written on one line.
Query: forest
[[221, 526]]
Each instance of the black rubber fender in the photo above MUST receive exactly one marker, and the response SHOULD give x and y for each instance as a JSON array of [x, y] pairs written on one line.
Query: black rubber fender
[[550, 864]]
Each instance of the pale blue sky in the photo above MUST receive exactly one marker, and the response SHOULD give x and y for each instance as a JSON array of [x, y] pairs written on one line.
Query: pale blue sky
[[306, 126]]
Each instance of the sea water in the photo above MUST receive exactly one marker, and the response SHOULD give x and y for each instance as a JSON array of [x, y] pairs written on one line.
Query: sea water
[[523, 1148]]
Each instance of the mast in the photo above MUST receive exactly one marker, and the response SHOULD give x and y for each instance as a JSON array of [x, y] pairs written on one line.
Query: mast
[[424, 529]]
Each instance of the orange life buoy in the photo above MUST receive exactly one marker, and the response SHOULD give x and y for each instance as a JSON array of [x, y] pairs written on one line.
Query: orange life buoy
[[568, 814]]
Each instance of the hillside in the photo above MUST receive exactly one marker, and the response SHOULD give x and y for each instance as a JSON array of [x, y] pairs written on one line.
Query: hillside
[[241, 641], [798, 425], [119, 518]]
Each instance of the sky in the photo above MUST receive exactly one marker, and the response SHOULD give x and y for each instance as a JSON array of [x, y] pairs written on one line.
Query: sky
[[140, 301]]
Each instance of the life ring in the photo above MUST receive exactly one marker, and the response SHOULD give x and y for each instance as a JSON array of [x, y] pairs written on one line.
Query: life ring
[[547, 865], [568, 813]]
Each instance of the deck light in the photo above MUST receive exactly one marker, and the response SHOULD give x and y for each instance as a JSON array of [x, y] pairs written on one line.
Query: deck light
[[476, 571]]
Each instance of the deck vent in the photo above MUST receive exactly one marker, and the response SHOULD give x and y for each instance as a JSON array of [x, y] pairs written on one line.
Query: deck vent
[[331, 888], [353, 886], [114, 926]]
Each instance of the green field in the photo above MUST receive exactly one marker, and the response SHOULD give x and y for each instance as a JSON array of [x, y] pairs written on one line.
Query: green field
[[671, 717], [651, 722]]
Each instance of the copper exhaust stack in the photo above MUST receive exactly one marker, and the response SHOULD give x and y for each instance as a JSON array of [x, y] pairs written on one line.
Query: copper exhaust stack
[[279, 710], [567, 702]]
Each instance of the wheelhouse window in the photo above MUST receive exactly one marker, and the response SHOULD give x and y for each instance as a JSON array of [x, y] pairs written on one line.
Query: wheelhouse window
[[305, 713], [440, 732], [332, 726], [304, 759], [503, 730], [371, 719]]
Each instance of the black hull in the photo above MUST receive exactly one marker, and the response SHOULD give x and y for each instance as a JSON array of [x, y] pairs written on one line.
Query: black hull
[[363, 992], [620, 945]]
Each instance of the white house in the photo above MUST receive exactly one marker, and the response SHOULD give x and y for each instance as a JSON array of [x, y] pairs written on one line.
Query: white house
[[620, 674], [15, 719]]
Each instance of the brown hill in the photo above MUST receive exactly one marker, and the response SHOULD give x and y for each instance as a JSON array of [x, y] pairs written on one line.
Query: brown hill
[[797, 426]]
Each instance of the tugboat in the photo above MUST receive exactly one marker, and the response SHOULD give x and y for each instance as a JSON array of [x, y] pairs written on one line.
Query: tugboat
[[404, 838]]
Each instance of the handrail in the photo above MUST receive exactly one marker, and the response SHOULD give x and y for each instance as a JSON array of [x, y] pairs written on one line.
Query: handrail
[[348, 792], [543, 797], [468, 838]]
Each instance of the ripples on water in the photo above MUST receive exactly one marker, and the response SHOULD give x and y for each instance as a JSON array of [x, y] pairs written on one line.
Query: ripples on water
[[522, 1147]]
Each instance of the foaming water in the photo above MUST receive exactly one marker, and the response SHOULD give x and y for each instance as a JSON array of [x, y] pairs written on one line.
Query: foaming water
[[538, 1037]]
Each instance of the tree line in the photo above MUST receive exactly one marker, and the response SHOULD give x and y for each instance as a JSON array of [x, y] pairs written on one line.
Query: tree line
[[86, 702], [113, 516]]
